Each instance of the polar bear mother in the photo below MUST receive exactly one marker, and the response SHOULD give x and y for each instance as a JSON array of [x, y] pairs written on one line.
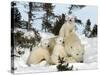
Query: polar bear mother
[[72, 41]]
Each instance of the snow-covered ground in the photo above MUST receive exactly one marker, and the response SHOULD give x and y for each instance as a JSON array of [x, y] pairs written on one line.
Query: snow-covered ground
[[46, 35], [90, 59]]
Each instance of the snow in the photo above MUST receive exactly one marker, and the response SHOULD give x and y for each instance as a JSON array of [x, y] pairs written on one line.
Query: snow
[[19, 29], [91, 51], [20, 62], [29, 34], [90, 58], [46, 35], [38, 69]]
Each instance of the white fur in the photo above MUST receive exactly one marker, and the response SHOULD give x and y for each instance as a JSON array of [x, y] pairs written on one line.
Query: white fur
[[39, 53], [70, 60], [52, 43], [73, 46], [67, 27], [72, 42], [58, 50]]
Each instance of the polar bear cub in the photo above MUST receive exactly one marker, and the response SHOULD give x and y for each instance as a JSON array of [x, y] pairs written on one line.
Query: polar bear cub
[[52, 42], [58, 50], [39, 53]]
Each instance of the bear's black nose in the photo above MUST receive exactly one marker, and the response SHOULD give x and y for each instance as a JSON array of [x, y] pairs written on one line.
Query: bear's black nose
[[48, 46], [70, 20], [81, 61], [63, 42]]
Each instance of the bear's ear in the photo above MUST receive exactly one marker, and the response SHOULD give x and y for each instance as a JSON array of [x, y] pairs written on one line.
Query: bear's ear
[[40, 44], [71, 47], [56, 39], [66, 18]]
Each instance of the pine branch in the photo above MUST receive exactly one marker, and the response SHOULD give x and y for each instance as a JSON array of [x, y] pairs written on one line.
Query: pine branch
[[62, 66]]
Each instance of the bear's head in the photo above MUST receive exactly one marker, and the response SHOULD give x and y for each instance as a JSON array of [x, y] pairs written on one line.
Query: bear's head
[[70, 18], [77, 52], [44, 43], [78, 55], [59, 40], [70, 23]]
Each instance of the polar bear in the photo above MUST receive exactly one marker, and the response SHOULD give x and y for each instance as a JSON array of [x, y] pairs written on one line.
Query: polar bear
[[58, 50], [68, 26], [72, 41], [73, 47], [39, 53], [52, 42]]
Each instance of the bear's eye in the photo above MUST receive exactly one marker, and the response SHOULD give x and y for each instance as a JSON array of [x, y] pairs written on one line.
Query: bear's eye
[[71, 47], [77, 54]]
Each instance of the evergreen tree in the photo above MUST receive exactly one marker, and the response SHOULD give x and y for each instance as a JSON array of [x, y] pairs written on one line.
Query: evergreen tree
[[15, 16], [32, 7], [94, 32], [87, 29], [30, 16], [78, 21], [46, 23], [26, 42], [58, 24], [74, 7], [18, 38]]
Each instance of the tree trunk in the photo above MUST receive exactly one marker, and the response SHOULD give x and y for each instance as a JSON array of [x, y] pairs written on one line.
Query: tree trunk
[[29, 16]]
